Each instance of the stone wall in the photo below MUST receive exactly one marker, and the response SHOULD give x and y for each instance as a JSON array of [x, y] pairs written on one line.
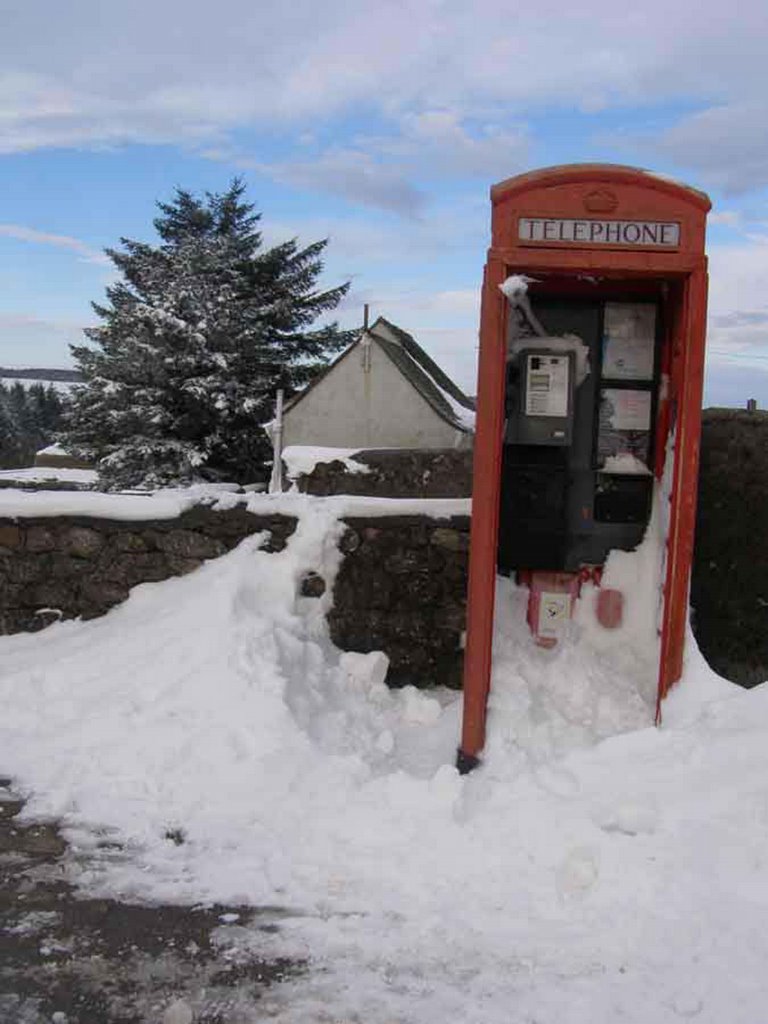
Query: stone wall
[[62, 568], [729, 586], [402, 589], [396, 473], [40, 484]]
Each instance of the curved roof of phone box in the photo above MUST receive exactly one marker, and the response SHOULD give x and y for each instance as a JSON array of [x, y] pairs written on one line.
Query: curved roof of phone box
[[615, 174]]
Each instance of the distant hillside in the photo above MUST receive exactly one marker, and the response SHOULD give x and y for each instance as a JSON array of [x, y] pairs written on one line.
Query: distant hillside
[[41, 373], [729, 588]]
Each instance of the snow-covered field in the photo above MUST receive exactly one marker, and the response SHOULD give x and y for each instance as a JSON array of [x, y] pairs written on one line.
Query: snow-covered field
[[64, 387], [594, 869]]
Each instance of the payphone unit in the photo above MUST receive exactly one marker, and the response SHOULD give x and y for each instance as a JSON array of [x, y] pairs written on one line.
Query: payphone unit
[[598, 484], [589, 389], [539, 398]]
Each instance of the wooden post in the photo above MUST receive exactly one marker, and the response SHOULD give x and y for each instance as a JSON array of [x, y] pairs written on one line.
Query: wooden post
[[276, 480]]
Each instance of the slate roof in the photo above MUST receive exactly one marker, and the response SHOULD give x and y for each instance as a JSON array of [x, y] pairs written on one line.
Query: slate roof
[[418, 368]]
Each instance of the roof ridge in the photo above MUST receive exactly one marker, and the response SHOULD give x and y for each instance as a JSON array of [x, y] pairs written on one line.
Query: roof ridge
[[434, 386], [419, 379], [426, 363]]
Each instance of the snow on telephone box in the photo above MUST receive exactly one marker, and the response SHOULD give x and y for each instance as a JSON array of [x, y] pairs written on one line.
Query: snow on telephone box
[[589, 393]]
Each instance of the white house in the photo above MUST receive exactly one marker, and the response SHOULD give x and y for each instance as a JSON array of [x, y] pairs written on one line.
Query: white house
[[384, 391]]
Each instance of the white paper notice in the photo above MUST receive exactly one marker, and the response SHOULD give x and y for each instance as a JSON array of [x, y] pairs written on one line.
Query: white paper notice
[[547, 386], [629, 340], [631, 409], [554, 612]]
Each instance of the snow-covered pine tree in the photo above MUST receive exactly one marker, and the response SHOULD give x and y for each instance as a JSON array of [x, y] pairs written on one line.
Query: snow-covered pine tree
[[10, 432], [194, 341]]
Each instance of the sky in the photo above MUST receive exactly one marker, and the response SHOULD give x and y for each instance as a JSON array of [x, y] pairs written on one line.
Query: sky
[[377, 125]]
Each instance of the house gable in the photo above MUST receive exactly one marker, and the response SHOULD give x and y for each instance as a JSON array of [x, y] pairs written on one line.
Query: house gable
[[391, 403]]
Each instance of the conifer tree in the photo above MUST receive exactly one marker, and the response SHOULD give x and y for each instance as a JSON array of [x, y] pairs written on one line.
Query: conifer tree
[[195, 338], [10, 433], [29, 419]]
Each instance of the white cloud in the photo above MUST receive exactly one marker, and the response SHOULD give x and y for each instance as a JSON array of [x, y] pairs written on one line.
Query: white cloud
[[455, 350], [377, 170], [28, 340], [738, 279], [726, 144], [731, 218], [445, 323], [90, 74], [737, 335], [353, 175], [452, 304], [440, 143], [381, 248], [24, 234], [449, 89]]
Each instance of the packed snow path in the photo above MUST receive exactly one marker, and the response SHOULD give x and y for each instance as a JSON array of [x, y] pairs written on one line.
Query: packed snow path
[[594, 869], [70, 960]]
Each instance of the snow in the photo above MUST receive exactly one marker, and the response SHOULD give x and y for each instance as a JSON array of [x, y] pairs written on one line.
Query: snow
[[594, 868], [515, 287], [53, 449], [340, 505], [625, 463], [300, 460], [162, 505], [466, 417], [46, 474], [461, 414], [171, 502], [64, 387]]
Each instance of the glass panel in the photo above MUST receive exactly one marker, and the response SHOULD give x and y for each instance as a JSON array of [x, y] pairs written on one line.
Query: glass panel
[[629, 340], [624, 431]]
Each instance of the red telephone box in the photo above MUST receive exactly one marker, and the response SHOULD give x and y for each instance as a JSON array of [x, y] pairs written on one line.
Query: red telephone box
[[600, 248]]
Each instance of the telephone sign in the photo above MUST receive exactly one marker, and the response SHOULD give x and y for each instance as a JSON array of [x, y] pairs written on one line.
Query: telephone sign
[[659, 234]]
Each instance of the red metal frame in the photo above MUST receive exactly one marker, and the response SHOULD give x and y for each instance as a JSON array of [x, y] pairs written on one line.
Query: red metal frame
[[687, 385], [605, 191]]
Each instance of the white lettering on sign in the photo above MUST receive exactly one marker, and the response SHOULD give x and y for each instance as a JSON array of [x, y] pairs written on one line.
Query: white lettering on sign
[[640, 233]]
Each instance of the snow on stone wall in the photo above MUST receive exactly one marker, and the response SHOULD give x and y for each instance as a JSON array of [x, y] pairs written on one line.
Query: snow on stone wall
[[394, 473], [400, 587], [68, 567]]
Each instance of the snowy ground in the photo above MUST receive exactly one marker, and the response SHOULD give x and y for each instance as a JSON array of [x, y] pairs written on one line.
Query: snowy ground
[[594, 869]]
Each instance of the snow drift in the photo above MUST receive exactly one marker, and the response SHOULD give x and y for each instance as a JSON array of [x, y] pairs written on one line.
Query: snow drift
[[595, 868]]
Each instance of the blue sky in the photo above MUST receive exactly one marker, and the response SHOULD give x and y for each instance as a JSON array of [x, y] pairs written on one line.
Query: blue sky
[[380, 126]]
